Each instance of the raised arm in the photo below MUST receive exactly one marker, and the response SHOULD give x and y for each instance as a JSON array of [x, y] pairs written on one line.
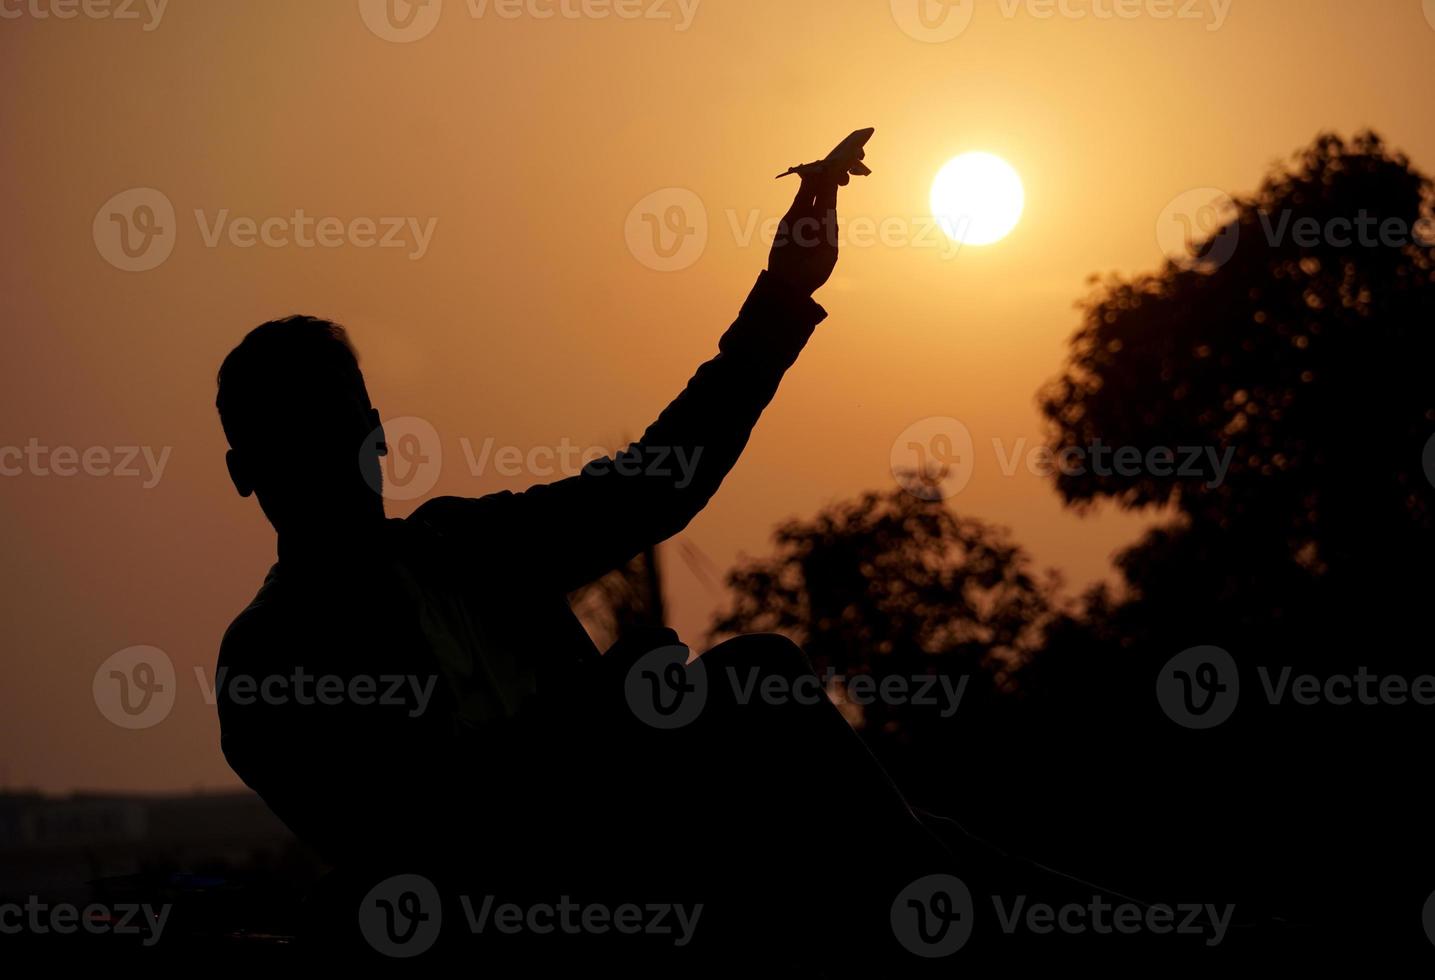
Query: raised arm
[[574, 530]]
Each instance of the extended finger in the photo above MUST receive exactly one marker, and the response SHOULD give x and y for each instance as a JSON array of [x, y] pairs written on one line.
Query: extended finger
[[825, 208], [802, 204]]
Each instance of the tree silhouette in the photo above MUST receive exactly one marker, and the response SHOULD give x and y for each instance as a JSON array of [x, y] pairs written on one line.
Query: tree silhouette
[[1294, 341], [1300, 356], [892, 585]]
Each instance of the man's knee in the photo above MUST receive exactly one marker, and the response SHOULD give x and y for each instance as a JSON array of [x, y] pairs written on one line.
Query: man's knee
[[760, 655]]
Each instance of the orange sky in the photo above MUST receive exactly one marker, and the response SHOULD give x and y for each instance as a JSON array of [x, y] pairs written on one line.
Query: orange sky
[[522, 143]]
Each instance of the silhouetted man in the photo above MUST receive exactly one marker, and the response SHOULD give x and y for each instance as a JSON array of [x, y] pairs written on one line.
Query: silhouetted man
[[416, 695]]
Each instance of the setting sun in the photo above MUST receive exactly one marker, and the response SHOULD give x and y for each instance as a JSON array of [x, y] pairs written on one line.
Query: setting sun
[[977, 198]]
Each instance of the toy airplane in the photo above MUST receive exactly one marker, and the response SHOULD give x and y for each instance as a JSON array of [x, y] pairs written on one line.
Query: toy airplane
[[845, 159]]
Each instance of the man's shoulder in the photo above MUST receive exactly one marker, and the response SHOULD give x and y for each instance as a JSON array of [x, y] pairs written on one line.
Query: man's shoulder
[[254, 628]]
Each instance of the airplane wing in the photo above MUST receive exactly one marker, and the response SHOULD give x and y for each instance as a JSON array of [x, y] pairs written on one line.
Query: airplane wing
[[846, 157]]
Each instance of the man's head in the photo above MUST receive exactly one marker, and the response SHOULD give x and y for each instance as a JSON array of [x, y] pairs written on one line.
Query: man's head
[[303, 436]]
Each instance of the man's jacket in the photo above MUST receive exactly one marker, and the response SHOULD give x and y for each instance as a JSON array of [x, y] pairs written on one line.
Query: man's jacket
[[385, 696]]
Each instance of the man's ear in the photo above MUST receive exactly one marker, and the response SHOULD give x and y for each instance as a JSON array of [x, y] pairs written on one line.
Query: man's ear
[[237, 473], [376, 432]]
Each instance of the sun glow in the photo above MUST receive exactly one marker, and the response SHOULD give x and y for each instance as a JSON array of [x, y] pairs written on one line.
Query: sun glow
[[977, 198]]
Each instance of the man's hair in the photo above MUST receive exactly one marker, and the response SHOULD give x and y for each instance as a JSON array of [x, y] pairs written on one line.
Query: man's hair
[[281, 368]]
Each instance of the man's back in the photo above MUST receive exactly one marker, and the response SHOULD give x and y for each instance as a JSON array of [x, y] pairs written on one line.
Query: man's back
[[367, 687]]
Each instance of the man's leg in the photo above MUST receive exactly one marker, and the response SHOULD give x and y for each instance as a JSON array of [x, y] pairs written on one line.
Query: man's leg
[[796, 833], [860, 843]]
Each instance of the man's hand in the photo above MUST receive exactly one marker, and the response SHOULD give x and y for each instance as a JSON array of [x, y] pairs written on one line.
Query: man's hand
[[804, 253]]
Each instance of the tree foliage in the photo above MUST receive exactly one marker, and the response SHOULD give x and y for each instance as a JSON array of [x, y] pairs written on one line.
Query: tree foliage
[[1302, 357]]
